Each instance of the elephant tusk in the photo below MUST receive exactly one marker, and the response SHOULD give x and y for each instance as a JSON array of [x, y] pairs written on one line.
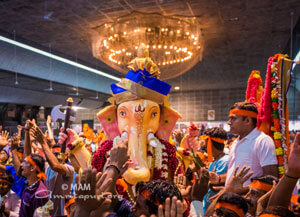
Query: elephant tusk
[[152, 140], [124, 135], [118, 138]]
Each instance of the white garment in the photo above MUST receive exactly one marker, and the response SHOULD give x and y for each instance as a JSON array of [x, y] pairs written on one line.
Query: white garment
[[255, 150], [196, 209]]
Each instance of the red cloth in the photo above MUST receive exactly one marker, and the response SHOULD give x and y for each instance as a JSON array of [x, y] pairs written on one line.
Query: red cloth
[[265, 110]]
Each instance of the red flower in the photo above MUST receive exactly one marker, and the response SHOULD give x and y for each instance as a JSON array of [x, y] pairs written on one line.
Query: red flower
[[121, 192], [157, 174], [275, 105], [171, 151], [277, 143], [99, 157], [276, 124], [280, 160]]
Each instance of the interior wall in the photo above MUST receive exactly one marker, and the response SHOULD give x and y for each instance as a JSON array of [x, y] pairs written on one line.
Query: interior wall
[[194, 105]]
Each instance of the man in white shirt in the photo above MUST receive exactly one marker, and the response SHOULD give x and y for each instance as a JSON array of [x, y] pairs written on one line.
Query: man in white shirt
[[252, 148]]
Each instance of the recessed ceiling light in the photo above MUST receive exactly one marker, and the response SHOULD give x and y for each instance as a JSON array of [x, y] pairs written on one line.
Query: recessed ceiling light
[[176, 88]]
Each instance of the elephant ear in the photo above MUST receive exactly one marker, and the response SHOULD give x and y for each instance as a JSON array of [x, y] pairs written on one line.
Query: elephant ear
[[107, 118], [168, 119]]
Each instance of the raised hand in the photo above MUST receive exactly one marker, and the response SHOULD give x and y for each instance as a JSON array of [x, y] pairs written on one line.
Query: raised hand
[[33, 121], [193, 130], [50, 141], [282, 193], [174, 209], [180, 182], [20, 127], [102, 183], [29, 124], [236, 181], [50, 133], [294, 159], [15, 141], [178, 135], [87, 200], [38, 135], [4, 139], [71, 137], [119, 156], [192, 143], [200, 187]]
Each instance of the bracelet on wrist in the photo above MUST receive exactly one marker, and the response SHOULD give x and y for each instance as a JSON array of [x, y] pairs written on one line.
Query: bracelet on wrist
[[114, 166], [291, 177]]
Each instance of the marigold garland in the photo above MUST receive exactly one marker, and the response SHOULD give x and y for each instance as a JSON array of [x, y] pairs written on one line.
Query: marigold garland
[[278, 124], [273, 114], [275, 128]]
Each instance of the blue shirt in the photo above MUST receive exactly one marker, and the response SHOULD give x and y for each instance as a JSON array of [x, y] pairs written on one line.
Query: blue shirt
[[19, 183], [219, 167]]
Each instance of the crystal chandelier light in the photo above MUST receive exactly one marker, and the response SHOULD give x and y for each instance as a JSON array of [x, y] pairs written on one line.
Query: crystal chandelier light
[[174, 43]]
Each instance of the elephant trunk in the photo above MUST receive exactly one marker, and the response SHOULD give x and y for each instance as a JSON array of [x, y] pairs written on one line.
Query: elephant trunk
[[137, 146]]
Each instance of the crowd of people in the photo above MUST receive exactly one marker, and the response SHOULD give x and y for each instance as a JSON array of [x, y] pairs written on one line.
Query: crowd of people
[[217, 175]]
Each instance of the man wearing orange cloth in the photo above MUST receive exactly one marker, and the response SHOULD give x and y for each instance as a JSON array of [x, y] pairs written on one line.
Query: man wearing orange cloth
[[252, 148]]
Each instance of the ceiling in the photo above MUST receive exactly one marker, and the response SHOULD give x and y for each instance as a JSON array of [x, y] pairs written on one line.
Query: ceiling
[[34, 91], [239, 35]]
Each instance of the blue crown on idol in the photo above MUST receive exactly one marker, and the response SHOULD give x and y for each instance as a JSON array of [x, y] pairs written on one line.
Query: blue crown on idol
[[144, 78]]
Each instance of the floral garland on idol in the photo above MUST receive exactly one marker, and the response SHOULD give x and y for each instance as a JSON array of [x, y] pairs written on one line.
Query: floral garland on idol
[[101, 155], [161, 160], [273, 113]]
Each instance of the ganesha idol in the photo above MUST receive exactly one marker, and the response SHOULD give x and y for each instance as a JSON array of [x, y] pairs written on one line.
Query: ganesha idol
[[139, 112]]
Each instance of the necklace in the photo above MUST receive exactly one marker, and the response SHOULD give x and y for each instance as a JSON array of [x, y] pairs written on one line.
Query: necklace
[[33, 185], [130, 197]]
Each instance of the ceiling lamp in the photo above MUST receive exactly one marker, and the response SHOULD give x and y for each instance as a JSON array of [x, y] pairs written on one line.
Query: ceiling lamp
[[174, 43]]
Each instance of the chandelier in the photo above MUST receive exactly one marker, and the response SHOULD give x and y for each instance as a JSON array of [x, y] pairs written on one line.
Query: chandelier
[[174, 43]]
